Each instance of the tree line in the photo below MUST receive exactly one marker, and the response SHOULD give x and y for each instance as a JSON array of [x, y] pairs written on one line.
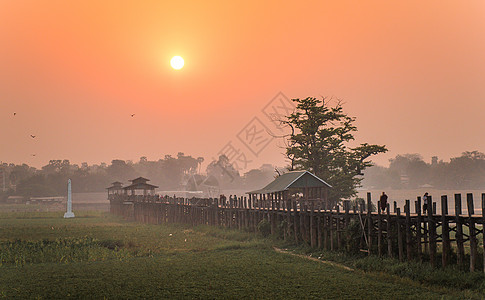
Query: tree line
[[410, 171], [182, 172]]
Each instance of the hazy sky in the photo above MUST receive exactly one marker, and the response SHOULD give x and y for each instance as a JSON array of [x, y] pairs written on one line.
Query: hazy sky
[[412, 72]]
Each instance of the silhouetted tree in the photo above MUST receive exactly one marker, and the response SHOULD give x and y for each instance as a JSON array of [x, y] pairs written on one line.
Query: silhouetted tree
[[411, 171], [258, 178], [412, 168], [319, 142], [223, 171], [120, 170]]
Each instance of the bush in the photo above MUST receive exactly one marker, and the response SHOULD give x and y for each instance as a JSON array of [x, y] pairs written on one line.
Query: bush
[[282, 226], [111, 244], [264, 227], [352, 236]]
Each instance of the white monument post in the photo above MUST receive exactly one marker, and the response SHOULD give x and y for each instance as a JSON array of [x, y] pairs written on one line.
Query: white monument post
[[69, 213]]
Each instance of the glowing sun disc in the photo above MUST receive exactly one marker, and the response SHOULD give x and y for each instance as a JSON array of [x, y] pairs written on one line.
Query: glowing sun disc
[[177, 62]]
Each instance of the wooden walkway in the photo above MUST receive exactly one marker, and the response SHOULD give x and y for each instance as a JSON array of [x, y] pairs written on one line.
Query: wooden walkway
[[408, 234]]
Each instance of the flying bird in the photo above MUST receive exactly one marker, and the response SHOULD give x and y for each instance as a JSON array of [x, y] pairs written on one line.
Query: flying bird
[[132, 115], [32, 136], [32, 154], [14, 113]]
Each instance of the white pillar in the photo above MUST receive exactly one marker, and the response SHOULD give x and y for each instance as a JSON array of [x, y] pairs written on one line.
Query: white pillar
[[69, 213]]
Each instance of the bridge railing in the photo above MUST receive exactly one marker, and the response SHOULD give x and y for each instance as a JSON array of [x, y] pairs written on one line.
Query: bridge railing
[[407, 234]]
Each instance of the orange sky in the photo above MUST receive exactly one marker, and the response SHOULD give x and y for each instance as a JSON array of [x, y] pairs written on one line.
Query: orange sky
[[412, 72]]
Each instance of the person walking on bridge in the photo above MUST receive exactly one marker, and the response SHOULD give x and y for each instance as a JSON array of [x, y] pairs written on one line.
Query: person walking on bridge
[[383, 201], [425, 202]]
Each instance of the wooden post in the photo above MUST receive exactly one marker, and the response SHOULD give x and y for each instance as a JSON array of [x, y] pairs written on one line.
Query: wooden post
[[418, 228], [459, 232], [337, 219], [302, 221], [347, 211], [252, 212], [432, 233], [246, 213], [363, 238], [249, 213], [296, 221], [242, 212], [379, 229], [228, 213], [287, 216], [306, 220], [272, 214], [483, 229], [313, 240], [407, 210], [445, 231], [399, 234], [319, 227], [330, 228], [473, 235], [369, 221], [325, 231], [388, 233], [426, 227]]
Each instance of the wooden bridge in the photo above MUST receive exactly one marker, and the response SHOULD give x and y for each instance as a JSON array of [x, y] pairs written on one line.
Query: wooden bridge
[[406, 234]]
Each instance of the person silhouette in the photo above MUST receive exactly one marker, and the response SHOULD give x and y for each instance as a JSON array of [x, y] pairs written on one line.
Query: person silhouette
[[425, 202], [383, 201]]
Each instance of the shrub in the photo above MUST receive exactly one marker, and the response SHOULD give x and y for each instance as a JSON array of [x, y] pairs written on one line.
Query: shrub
[[352, 236], [264, 227]]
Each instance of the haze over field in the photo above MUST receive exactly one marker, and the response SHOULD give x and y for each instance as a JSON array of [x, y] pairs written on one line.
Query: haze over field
[[92, 80]]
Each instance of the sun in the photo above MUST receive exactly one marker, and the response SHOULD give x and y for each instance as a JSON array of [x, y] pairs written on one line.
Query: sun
[[177, 62]]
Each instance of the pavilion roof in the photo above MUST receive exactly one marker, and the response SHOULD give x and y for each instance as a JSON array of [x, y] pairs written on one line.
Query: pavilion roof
[[115, 186], [140, 186], [140, 180], [294, 179]]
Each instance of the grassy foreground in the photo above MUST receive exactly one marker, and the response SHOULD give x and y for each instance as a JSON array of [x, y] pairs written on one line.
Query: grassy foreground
[[98, 256]]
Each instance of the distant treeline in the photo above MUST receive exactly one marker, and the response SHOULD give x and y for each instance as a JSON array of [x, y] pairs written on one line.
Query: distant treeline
[[410, 171], [182, 172]]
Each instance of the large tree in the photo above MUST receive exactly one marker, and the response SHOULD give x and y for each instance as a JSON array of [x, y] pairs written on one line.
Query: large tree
[[320, 142]]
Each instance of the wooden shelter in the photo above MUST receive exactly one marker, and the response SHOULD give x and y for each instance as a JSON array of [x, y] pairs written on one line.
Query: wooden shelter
[[294, 185], [116, 188], [139, 186]]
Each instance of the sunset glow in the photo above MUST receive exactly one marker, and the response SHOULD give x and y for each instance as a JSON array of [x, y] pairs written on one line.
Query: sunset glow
[[411, 72]]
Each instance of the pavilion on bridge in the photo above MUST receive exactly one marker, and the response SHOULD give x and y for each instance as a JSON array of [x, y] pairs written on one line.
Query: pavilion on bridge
[[294, 185], [139, 186], [116, 188]]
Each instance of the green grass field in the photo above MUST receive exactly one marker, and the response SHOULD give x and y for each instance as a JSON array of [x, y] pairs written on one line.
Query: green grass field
[[96, 255]]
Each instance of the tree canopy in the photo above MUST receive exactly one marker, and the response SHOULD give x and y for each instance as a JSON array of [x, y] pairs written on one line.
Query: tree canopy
[[180, 172], [320, 141], [410, 171]]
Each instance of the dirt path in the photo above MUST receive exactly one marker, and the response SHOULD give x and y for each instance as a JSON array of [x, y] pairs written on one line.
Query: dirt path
[[314, 259]]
